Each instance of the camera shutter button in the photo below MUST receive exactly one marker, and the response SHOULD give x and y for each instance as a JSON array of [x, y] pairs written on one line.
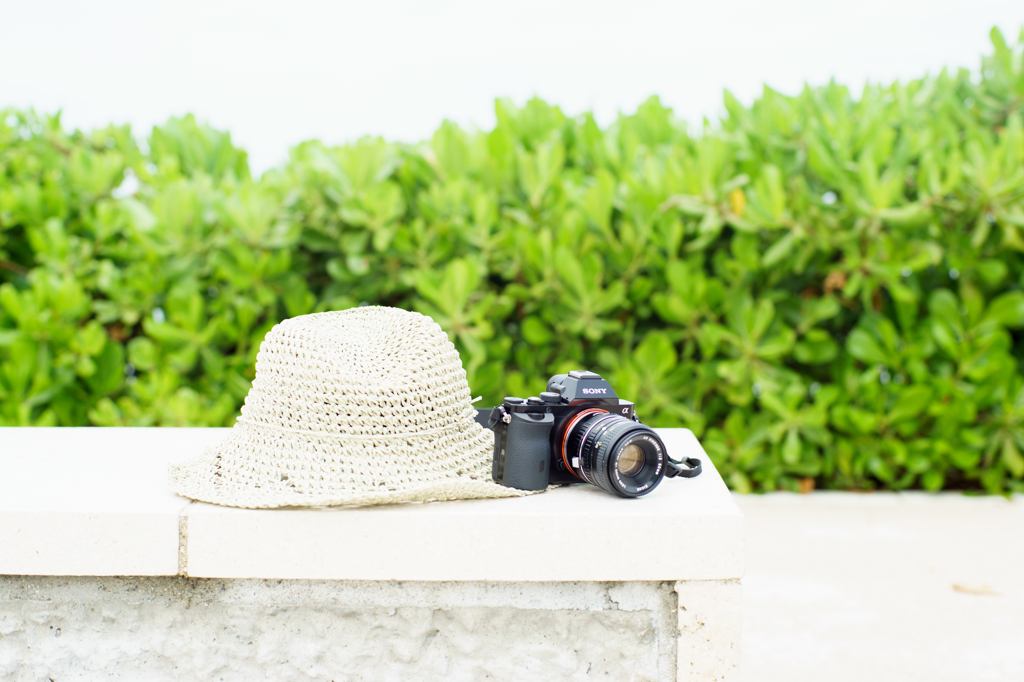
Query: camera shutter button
[[534, 400], [549, 397]]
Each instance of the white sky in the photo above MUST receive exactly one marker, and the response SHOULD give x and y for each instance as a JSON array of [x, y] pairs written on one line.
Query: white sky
[[277, 73]]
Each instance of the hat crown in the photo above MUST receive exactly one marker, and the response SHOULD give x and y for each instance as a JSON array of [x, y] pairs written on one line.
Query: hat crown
[[364, 371], [361, 406]]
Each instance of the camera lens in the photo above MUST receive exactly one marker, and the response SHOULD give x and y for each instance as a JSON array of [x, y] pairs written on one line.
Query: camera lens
[[614, 453]]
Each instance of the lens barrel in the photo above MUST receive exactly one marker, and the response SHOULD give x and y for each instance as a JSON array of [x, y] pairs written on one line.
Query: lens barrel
[[615, 453]]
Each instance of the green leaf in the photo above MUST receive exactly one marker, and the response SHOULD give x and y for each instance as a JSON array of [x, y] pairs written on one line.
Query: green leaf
[[906, 217], [861, 345], [992, 271], [1006, 310], [911, 403], [1012, 458], [656, 353], [791, 447], [932, 480], [142, 353], [816, 348], [109, 374], [535, 332], [779, 250]]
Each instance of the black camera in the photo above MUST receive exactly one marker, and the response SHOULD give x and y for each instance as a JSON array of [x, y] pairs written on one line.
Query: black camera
[[579, 431]]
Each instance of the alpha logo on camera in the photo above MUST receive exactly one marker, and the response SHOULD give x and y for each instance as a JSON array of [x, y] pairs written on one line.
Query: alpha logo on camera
[[592, 391]]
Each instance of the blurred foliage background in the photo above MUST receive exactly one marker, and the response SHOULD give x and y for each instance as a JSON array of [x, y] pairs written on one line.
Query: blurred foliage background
[[826, 289]]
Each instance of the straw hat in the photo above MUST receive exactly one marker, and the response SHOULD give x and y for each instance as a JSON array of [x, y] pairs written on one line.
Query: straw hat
[[363, 406]]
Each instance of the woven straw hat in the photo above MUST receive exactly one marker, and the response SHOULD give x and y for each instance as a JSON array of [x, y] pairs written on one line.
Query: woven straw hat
[[363, 406]]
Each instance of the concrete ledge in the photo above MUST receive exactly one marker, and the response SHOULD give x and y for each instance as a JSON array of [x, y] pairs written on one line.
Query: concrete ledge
[[94, 501], [91, 501], [570, 584]]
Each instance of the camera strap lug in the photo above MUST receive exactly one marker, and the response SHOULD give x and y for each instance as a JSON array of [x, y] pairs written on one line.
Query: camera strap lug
[[498, 414], [687, 468]]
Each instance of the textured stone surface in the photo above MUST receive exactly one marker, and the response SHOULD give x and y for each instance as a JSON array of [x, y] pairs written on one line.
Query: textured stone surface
[[710, 613], [189, 629]]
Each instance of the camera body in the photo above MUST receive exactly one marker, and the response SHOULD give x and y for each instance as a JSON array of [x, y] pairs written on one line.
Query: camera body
[[578, 431]]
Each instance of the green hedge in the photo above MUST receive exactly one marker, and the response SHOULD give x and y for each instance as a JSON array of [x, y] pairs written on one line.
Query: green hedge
[[826, 289]]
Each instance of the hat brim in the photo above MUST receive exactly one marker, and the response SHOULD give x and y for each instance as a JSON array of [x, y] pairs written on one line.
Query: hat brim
[[263, 466]]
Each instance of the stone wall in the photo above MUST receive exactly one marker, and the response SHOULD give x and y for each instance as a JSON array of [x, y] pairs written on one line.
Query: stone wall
[[195, 629], [572, 584]]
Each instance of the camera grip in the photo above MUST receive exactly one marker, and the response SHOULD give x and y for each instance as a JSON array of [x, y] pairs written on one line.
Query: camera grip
[[528, 452]]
